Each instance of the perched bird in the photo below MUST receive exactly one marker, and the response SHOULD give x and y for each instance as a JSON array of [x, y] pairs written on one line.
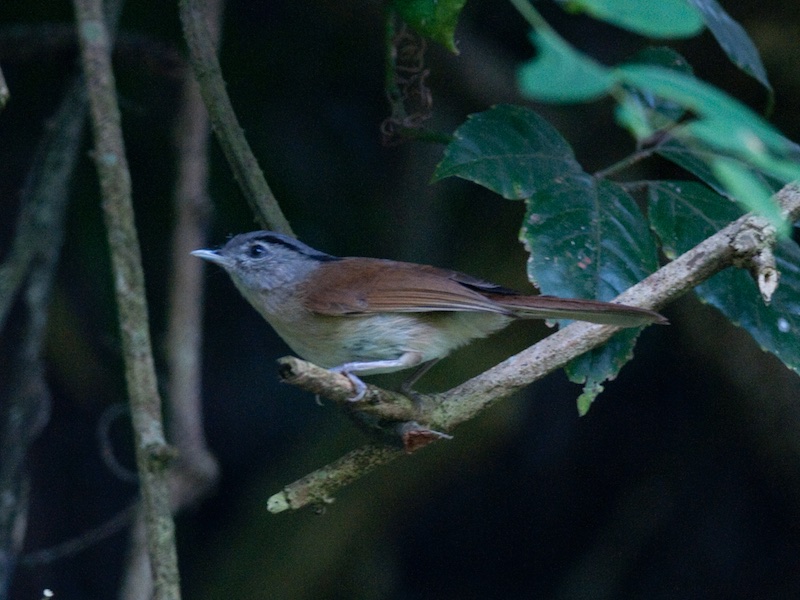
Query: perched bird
[[363, 316]]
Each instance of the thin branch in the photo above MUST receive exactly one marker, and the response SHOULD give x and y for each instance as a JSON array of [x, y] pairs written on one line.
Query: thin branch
[[205, 63], [44, 196], [31, 262], [152, 453], [626, 162], [197, 469], [28, 272], [742, 239], [85, 540]]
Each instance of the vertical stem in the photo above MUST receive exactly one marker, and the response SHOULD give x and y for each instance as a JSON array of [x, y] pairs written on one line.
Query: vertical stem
[[203, 56], [184, 328], [152, 453]]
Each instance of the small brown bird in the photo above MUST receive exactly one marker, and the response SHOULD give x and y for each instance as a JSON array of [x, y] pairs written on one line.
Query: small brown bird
[[362, 316]]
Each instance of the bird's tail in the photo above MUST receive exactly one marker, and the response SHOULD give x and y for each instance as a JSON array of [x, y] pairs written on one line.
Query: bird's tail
[[593, 311]]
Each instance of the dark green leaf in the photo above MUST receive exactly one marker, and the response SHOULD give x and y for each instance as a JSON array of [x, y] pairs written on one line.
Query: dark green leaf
[[594, 367], [697, 162], [653, 18], [587, 239], [510, 150], [559, 73], [685, 213], [733, 39], [674, 221], [436, 19]]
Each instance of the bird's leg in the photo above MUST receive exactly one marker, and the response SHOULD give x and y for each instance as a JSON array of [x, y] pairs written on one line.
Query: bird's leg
[[349, 370], [415, 376]]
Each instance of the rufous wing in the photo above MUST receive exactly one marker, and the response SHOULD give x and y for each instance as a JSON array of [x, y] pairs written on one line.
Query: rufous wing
[[357, 286], [360, 286]]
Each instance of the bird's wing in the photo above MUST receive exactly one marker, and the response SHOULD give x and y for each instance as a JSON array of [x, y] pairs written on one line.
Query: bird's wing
[[358, 286]]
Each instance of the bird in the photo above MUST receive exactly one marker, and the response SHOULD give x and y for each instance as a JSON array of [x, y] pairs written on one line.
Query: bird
[[365, 316]]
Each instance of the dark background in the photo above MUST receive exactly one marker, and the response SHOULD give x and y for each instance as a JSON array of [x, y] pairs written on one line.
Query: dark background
[[682, 482]]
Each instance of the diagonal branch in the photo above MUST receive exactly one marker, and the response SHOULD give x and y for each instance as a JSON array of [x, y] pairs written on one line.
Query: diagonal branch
[[736, 242]]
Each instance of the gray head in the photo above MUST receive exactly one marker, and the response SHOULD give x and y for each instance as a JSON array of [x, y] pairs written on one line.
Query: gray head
[[262, 260]]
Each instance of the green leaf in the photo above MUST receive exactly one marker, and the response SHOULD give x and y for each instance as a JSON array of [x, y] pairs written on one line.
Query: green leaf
[[749, 191], [436, 19], [733, 39], [740, 181], [592, 368], [729, 119], [697, 161], [643, 112], [585, 400], [727, 127], [653, 18], [674, 221], [588, 239], [559, 73], [509, 149], [685, 213], [694, 160], [631, 114]]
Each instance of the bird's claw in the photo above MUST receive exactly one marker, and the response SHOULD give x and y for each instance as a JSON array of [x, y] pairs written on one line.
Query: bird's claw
[[359, 387]]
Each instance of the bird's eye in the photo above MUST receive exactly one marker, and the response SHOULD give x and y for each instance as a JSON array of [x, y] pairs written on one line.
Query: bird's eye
[[256, 251]]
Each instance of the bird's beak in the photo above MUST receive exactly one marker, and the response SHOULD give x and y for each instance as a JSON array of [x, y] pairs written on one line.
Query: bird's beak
[[212, 256]]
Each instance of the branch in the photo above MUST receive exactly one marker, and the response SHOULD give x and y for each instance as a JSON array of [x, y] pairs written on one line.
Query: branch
[[744, 239], [28, 273], [152, 453], [205, 63], [197, 469], [44, 196]]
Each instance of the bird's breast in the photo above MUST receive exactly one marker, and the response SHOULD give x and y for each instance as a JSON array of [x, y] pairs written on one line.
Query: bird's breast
[[330, 341]]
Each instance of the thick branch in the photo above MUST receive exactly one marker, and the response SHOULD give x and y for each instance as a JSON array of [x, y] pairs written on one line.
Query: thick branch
[[203, 57], [152, 453], [740, 240]]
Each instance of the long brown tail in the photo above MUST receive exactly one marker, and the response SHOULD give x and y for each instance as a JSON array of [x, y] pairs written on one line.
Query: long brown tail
[[593, 311]]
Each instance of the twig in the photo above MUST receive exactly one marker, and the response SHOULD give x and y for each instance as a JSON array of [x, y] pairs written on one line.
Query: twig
[[44, 196], [462, 403], [28, 272], [205, 63], [83, 541], [197, 469], [379, 403], [31, 262], [152, 453]]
